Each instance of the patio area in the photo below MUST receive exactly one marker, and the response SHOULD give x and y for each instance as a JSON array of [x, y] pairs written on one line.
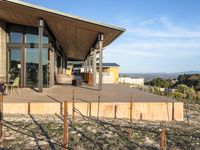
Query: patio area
[[114, 102], [59, 93]]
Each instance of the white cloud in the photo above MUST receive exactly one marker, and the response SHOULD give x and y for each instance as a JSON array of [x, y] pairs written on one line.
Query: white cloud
[[167, 29], [155, 39], [169, 36]]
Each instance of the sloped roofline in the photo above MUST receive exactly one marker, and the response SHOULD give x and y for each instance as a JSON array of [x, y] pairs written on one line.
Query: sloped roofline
[[66, 15]]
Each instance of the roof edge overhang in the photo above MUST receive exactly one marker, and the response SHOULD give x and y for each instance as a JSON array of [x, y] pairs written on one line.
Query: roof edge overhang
[[112, 30], [56, 12]]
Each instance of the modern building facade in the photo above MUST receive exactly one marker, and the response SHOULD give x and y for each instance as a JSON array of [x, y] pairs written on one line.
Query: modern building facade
[[36, 43], [110, 71]]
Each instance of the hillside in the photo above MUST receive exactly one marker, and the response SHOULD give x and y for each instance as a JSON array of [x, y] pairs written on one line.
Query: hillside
[[150, 76]]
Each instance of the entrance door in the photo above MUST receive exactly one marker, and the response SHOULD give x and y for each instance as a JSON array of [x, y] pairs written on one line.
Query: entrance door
[[32, 63], [32, 67], [14, 65]]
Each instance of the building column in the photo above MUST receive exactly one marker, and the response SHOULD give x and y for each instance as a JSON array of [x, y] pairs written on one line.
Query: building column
[[3, 51], [89, 64], [40, 68], [64, 65], [100, 46], [61, 65], [52, 67], [85, 66], [94, 69]]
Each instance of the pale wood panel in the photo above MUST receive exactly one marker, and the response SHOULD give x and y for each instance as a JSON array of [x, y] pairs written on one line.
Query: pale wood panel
[[144, 111]]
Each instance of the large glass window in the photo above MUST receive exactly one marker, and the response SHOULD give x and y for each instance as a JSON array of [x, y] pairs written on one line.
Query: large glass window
[[32, 63], [14, 64], [33, 38], [15, 37], [31, 67], [45, 66], [28, 55]]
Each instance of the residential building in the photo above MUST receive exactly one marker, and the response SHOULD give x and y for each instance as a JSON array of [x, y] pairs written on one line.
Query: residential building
[[36, 43]]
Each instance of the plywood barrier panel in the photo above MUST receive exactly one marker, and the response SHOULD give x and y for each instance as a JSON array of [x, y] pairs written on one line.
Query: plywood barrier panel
[[157, 111], [82, 109], [15, 108], [45, 108], [178, 111], [123, 110], [145, 111], [106, 110]]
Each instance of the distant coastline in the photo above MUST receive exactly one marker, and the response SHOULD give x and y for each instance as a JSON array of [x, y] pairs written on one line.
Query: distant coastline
[[149, 76]]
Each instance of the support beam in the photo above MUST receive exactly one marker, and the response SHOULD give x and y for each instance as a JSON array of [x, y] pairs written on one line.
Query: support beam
[[61, 65], [1, 119], [40, 68], [3, 56], [94, 69], [85, 66], [100, 41], [89, 64], [52, 67], [64, 65], [86, 61]]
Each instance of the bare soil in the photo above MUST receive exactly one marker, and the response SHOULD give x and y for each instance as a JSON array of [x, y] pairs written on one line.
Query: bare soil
[[44, 132]]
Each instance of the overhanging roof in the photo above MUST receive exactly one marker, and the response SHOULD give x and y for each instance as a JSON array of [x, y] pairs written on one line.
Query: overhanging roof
[[110, 65], [75, 35]]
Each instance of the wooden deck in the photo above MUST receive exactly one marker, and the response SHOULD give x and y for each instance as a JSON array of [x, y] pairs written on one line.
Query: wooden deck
[[59, 93]]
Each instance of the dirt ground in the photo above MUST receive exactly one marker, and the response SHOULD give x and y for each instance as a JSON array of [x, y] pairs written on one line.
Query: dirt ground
[[46, 131]]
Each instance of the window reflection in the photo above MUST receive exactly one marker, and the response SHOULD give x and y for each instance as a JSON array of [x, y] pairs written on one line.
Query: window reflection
[[29, 56], [45, 65], [32, 67], [15, 37], [32, 63], [14, 64], [33, 38]]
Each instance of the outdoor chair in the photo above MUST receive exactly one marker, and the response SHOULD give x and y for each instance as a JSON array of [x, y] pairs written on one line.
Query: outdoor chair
[[13, 87]]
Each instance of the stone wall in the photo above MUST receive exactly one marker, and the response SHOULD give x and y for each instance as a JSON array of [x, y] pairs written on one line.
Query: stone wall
[[2, 49]]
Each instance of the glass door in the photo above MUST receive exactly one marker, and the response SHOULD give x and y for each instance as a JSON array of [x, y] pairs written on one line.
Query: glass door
[[32, 67], [32, 63], [14, 65]]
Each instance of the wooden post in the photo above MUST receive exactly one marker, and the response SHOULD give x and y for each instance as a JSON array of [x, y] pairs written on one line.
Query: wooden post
[[29, 108], [65, 129], [173, 112], [187, 110], [163, 145], [115, 113], [90, 109], [1, 118], [131, 108], [140, 116], [61, 108], [98, 107], [73, 107]]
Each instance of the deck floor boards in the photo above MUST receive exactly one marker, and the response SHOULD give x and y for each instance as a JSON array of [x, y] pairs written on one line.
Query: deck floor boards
[[59, 93]]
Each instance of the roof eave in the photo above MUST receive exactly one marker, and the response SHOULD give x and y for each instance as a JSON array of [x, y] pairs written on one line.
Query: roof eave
[[56, 12]]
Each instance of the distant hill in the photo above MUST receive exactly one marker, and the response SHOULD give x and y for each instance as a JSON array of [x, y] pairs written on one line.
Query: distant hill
[[191, 72], [149, 76]]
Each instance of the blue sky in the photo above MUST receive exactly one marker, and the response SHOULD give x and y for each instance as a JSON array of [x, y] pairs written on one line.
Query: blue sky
[[161, 35]]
